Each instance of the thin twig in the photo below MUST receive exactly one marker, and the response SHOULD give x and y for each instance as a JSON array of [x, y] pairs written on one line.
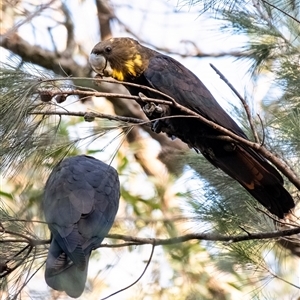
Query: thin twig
[[28, 278], [246, 106], [113, 81], [132, 284], [263, 130], [282, 279], [27, 19], [13, 241], [28, 239], [31, 241], [207, 237], [119, 245], [23, 220], [268, 18], [10, 270], [192, 236], [285, 13], [53, 93], [91, 115], [144, 87], [282, 166], [276, 220]]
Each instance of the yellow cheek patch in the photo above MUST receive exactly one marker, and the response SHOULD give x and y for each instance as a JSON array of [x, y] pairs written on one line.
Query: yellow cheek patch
[[132, 67], [138, 60], [129, 64], [118, 75], [133, 64]]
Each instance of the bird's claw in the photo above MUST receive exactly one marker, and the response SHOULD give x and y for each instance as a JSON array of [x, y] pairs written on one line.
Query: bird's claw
[[156, 126], [151, 108]]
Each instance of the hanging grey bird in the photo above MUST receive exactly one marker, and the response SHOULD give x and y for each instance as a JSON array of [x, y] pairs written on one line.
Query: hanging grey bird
[[81, 199]]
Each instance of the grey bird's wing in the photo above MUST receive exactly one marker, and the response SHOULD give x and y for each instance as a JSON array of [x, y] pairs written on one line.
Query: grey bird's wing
[[80, 202]]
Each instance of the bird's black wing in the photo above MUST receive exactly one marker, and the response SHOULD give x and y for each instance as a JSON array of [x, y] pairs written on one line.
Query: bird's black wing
[[172, 78], [242, 163]]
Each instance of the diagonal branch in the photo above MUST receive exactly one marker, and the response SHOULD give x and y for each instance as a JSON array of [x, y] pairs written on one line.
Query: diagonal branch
[[38, 11], [246, 106], [137, 280], [280, 164], [42, 57], [282, 11]]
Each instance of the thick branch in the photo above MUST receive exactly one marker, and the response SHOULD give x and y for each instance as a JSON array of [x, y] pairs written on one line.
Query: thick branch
[[47, 59], [105, 14], [71, 43]]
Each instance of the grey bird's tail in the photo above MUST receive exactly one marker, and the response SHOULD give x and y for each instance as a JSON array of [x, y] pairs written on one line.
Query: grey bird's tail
[[62, 274]]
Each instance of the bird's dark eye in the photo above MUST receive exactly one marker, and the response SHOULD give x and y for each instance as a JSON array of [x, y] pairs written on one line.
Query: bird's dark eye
[[108, 49]]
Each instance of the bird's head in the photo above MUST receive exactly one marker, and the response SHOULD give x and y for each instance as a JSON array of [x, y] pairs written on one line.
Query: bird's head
[[120, 58]]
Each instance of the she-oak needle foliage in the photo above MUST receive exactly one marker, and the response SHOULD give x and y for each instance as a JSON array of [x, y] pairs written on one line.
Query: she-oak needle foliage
[[32, 142]]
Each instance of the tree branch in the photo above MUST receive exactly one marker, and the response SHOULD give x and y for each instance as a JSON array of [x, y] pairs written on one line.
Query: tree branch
[[206, 237], [280, 164], [28, 18], [89, 116], [71, 43], [60, 64], [184, 238], [53, 93], [282, 11], [137, 280], [105, 14], [246, 106]]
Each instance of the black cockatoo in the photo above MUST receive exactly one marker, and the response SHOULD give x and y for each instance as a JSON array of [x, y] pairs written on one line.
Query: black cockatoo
[[125, 59], [80, 202]]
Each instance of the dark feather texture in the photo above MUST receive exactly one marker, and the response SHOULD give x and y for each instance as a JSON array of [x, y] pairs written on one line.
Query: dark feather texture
[[81, 199], [163, 73]]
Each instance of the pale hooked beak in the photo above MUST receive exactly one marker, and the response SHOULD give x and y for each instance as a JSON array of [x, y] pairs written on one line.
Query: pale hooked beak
[[98, 63]]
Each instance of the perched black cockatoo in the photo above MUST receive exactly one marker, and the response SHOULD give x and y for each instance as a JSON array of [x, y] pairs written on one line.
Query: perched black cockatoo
[[81, 199], [125, 59]]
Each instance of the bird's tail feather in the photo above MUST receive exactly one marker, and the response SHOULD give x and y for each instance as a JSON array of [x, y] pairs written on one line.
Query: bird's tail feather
[[62, 274], [263, 183]]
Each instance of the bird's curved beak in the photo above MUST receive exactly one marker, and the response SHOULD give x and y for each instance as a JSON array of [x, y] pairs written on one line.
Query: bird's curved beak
[[98, 63]]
